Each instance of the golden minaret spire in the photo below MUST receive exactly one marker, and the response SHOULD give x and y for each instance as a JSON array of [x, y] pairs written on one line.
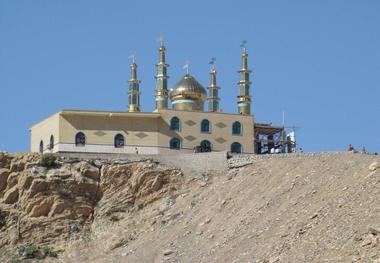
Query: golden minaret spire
[[213, 96], [133, 88], [244, 98], [162, 78]]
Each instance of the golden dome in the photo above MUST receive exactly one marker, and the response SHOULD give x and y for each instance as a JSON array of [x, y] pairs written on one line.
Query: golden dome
[[188, 94], [188, 88]]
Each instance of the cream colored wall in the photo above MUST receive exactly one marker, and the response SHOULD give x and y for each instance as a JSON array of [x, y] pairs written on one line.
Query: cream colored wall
[[101, 130], [42, 131], [246, 139]]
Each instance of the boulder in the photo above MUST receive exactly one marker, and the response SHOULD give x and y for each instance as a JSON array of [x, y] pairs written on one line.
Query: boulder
[[59, 173], [11, 196], [37, 186], [374, 166], [88, 170], [43, 208], [12, 179]]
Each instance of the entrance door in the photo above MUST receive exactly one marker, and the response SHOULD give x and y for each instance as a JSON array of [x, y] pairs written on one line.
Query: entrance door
[[205, 146], [236, 147]]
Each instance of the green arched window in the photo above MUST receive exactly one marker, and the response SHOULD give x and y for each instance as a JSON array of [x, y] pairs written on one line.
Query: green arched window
[[174, 124], [80, 139], [41, 146], [236, 147], [236, 128], [51, 143], [119, 141], [175, 144], [205, 126]]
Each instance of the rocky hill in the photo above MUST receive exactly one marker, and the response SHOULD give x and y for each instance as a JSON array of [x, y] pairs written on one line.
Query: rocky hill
[[282, 208]]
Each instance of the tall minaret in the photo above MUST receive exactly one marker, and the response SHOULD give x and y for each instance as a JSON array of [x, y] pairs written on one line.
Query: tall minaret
[[161, 79], [133, 88], [244, 99], [213, 96]]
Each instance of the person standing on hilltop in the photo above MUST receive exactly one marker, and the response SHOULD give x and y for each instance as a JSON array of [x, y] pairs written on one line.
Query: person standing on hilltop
[[351, 148], [364, 150]]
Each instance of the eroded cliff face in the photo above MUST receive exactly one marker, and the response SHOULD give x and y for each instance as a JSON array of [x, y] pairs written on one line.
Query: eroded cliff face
[[274, 208], [53, 206]]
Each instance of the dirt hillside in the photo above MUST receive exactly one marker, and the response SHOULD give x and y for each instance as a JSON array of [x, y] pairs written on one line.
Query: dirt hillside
[[284, 208]]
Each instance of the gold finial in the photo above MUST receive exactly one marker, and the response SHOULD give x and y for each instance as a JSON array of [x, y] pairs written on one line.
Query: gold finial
[[186, 66]]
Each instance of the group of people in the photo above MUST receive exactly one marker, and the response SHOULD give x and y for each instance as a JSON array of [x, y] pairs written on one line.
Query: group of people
[[352, 149]]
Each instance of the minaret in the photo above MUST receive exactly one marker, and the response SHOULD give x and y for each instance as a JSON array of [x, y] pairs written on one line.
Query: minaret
[[133, 88], [213, 96], [244, 99], [161, 79]]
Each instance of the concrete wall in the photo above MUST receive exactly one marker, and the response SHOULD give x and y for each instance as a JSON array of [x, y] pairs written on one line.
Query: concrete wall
[[220, 136], [97, 148], [197, 164], [42, 131], [101, 129], [149, 132], [192, 164]]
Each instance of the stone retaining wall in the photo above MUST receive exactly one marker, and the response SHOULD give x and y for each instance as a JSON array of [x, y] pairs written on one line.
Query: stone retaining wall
[[192, 164]]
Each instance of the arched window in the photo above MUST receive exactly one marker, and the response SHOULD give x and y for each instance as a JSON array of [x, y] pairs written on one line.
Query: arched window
[[236, 147], [205, 146], [80, 139], [175, 144], [51, 143], [174, 124], [41, 146], [236, 128], [205, 126], [119, 141]]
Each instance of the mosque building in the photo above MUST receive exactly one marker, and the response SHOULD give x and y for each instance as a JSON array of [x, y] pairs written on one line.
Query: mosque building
[[184, 127]]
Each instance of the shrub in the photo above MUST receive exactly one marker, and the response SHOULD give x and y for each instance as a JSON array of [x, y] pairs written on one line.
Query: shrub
[[49, 252], [33, 251], [48, 160], [30, 251]]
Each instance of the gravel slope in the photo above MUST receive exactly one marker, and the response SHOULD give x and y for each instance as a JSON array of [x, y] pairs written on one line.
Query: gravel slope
[[300, 208]]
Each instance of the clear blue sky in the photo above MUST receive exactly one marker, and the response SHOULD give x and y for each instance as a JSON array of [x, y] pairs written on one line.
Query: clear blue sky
[[319, 61]]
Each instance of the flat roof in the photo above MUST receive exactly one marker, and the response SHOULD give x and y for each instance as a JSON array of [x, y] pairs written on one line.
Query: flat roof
[[152, 115], [210, 112], [66, 112], [267, 129]]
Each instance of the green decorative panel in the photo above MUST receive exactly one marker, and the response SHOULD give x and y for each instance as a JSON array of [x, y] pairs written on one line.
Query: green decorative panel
[[190, 138], [220, 140], [141, 135], [190, 123], [99, 133], [221, 125]]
